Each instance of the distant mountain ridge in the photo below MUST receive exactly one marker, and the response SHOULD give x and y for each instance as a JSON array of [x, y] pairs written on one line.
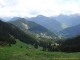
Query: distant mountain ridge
[[25, 25], [70, 20], [14, 18], [71, 31], [47, 22]]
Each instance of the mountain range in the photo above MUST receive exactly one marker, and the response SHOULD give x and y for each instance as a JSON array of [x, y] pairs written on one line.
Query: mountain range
[[66, 25], [71, 31], [51, 24], [26, 25], [69, 20], [9, 33]]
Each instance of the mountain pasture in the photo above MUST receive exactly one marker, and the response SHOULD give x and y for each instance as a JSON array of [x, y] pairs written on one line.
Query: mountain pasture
[[21, 51]]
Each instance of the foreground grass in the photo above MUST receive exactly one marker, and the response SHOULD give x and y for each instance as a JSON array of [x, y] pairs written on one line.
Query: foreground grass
[[24, 53]]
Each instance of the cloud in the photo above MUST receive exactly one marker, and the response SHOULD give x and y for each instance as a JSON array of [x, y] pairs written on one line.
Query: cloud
[[24, 8]]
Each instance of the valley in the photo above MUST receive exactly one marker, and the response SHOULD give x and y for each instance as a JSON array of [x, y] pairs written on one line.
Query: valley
[[39, 29], [39, 38]]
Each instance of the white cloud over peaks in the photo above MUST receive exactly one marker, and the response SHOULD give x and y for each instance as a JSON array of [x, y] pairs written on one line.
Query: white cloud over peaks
[[71, 7], [35, 7]]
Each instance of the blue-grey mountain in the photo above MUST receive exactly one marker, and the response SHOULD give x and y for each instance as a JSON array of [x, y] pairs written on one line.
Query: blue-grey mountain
[[48, 23], [70, 20], [26, 25], [71, 31]]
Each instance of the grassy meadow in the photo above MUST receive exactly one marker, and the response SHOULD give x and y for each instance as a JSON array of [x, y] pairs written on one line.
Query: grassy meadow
[[21, 51]]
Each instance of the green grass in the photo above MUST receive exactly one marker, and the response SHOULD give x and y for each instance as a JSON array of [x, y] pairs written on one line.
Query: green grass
[[24, 53]]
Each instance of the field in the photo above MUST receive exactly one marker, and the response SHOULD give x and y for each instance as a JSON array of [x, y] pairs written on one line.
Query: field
[[21, 51]]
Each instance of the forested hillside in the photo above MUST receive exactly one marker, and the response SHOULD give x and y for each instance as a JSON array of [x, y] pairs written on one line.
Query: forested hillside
[[71, 44], [9, 32]]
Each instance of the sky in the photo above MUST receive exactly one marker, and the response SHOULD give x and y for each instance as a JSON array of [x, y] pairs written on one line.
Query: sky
[[30, 8]]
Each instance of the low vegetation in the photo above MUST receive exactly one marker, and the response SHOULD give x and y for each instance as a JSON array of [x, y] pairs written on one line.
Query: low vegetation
[[15, 52]]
